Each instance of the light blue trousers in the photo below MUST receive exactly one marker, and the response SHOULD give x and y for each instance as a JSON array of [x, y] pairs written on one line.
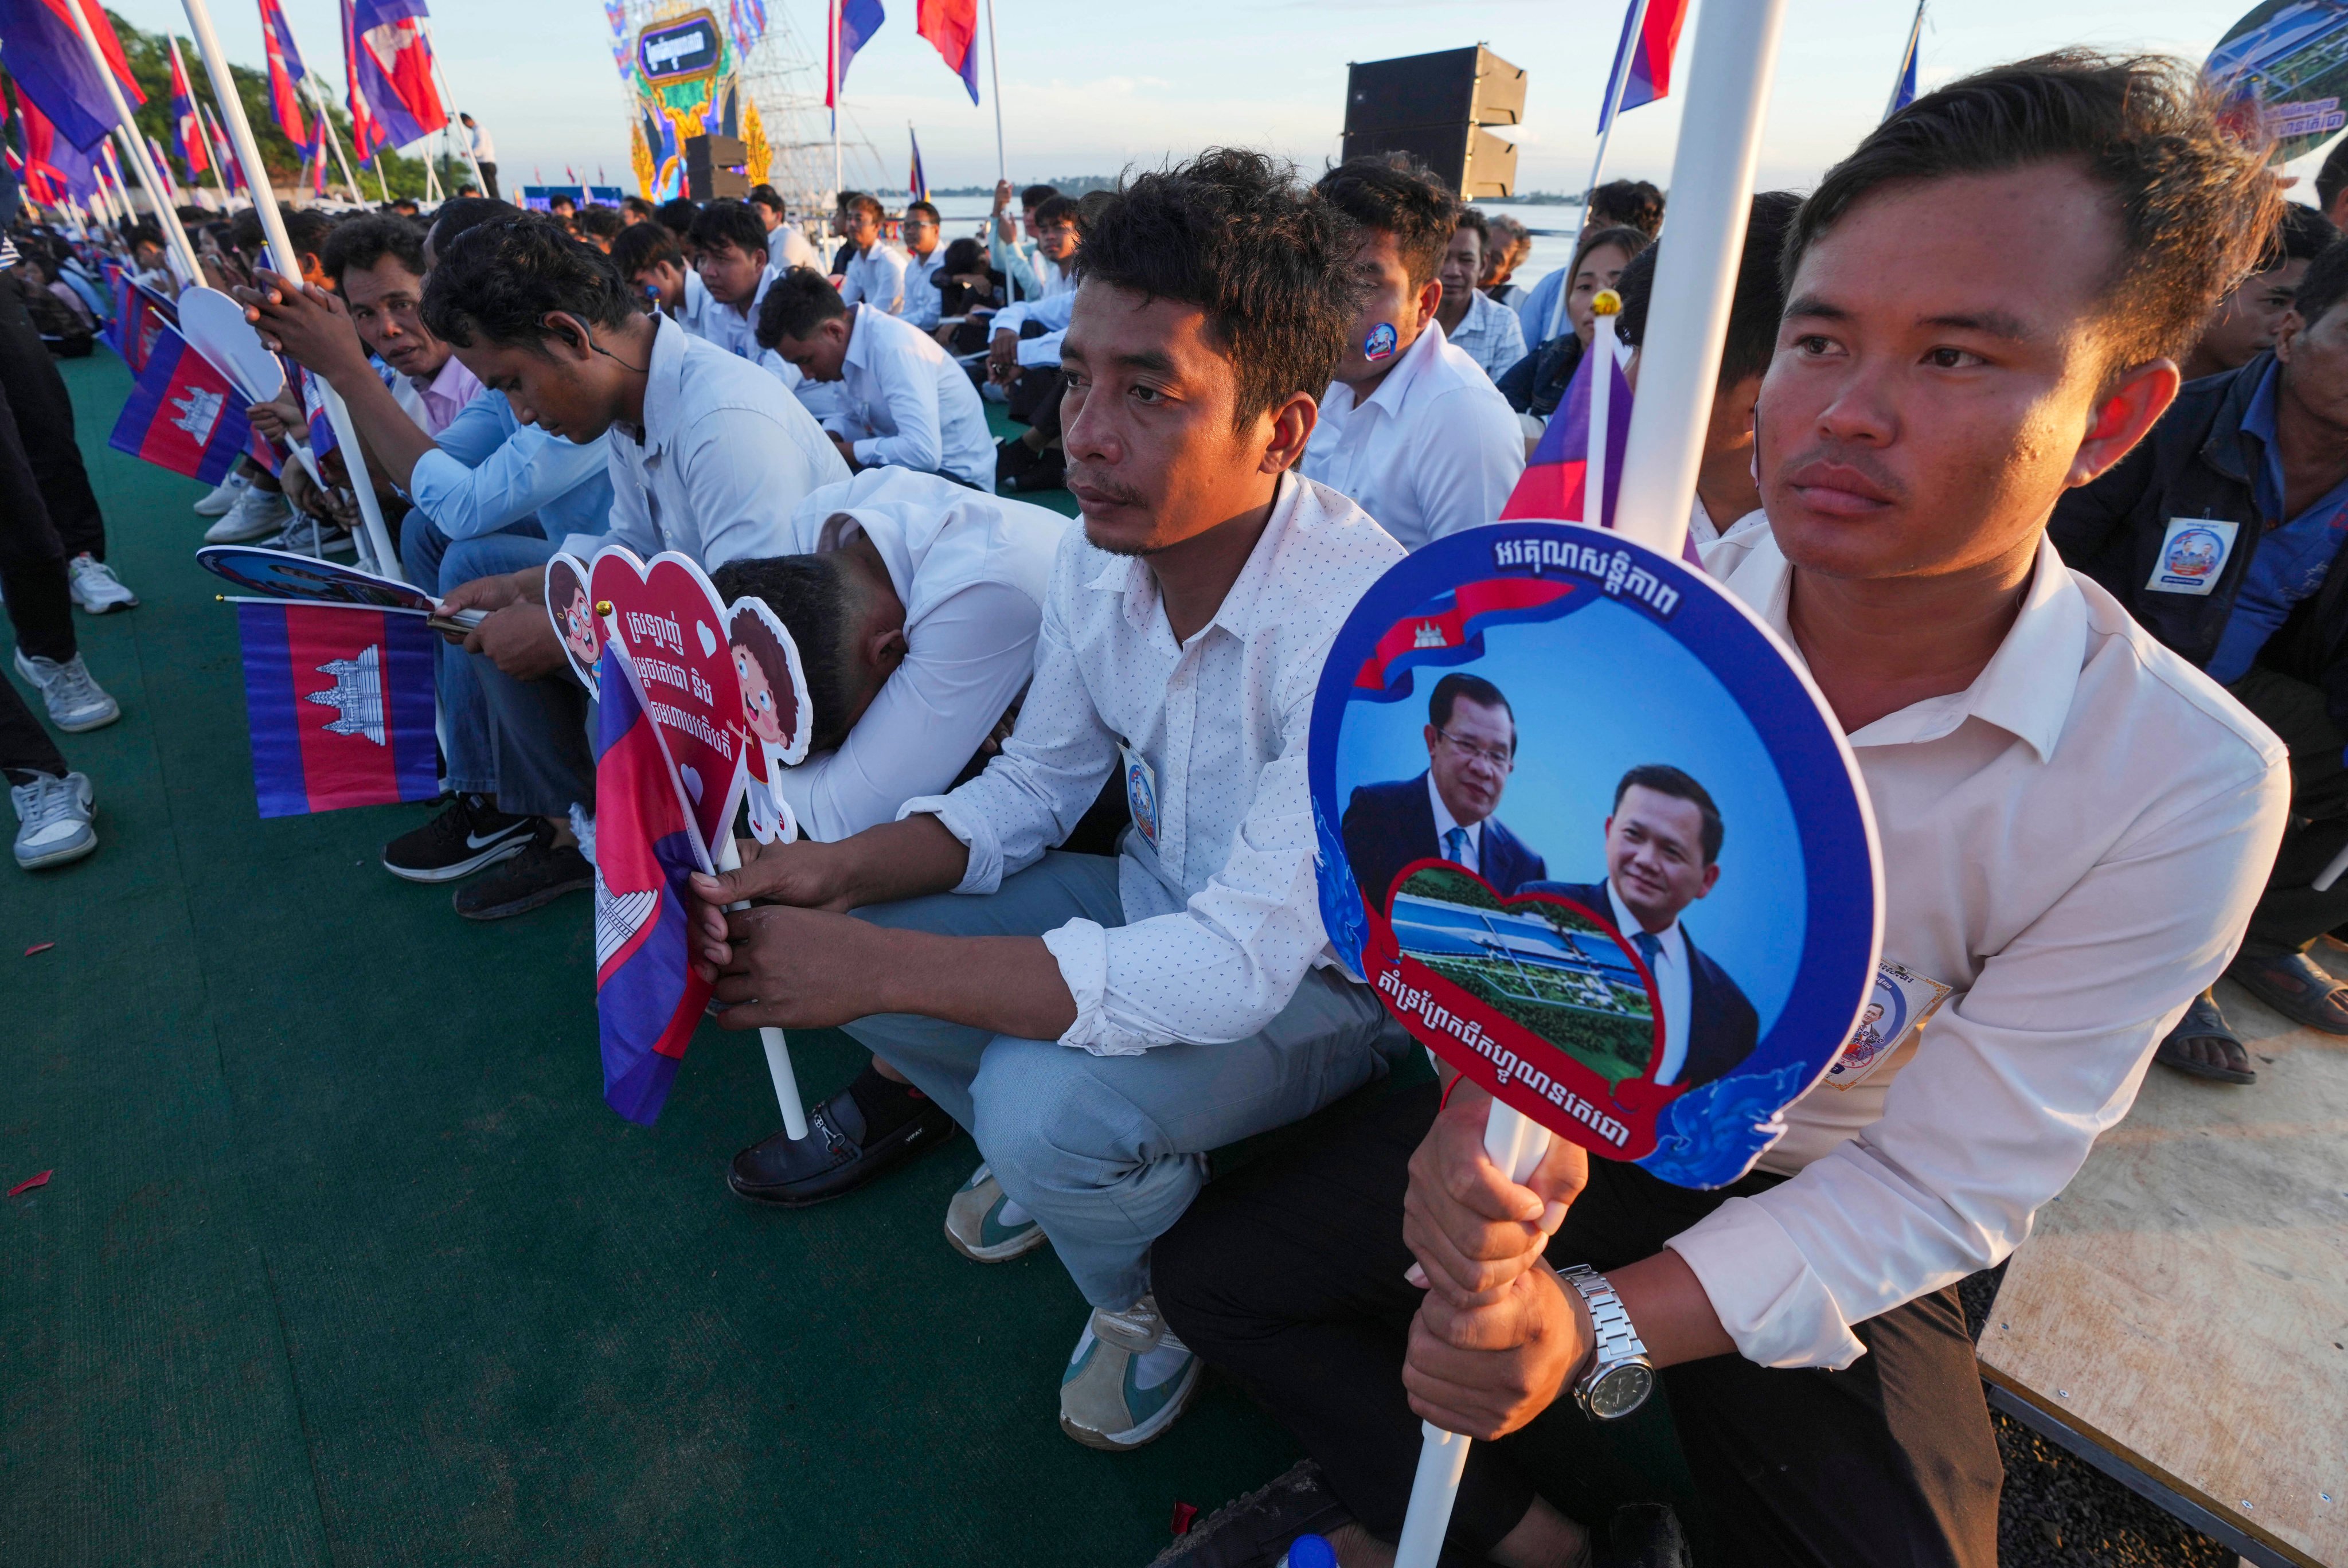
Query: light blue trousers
[[423, 552], [1107, 1152]]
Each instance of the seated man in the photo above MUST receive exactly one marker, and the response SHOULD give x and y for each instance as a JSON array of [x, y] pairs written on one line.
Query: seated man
[[706, 456], [915, 605], [730, 259], [1481, 328], [1446, 812], [1410, 428], [904, 403], [786, 246], [1011, 248], [925, 260], [654, 265], [1048, 268], [2241, 326], [2074, 825], [1099, 1024], [2222, 535], [875, 274]]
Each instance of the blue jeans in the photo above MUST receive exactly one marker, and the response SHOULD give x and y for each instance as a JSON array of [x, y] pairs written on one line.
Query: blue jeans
[[1107, 1152], [424, 553]]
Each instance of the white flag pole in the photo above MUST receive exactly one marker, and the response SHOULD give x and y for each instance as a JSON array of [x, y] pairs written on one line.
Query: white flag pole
[[994, 70], [1632, 28], [203, 137], [289, 268], [183, 254], [831, 58], [449, 101], [320, 103], [779, 1050]]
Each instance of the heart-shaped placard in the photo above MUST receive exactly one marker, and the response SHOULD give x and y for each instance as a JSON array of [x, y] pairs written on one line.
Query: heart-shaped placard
[[692, 694]]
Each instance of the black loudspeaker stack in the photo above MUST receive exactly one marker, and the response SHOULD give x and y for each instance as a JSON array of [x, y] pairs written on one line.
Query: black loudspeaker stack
[[712, 168], [1435, 107]]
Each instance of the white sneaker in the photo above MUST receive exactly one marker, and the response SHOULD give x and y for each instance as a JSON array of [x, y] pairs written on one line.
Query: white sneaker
[[95, 587], [224, 495], [1128, 1381], [257, 514], [52, 818], [75, 701]]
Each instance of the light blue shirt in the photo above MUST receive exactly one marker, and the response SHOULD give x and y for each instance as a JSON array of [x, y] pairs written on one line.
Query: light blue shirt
[[2293, 556], [491, 470], [1535, 307]]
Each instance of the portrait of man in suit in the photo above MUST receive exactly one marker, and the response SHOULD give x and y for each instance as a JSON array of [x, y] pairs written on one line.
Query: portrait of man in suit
[[1446, 813], [1663, 855]]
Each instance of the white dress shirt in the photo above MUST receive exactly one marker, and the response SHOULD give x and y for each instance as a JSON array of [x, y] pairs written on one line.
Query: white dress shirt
[[1704, 531], [787, 248], [971, 571], [484, 150], [1053, 315], [1222, 914], [1674, 983], [1472, 858], [1489, 334], [2074, 843], [724, 455], [731, 328], [1435, 449], [876, 276], [906, 403], [923, 302]]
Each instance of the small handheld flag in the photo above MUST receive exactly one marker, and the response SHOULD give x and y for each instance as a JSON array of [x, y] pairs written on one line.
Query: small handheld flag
[[183, 415], [340, 703], [1651, 32], [1555, 484]]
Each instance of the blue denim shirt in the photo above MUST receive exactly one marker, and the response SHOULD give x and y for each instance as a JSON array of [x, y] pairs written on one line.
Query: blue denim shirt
[[2291, 559]]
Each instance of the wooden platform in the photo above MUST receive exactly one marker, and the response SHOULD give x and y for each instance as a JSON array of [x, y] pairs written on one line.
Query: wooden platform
[[2184, 1305]]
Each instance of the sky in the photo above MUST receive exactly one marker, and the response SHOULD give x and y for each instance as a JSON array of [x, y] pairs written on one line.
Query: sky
[[1090, 87]]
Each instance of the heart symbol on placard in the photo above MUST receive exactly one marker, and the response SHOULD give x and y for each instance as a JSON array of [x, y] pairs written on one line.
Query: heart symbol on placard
[[708, 637], [692, 781], [688, 681]]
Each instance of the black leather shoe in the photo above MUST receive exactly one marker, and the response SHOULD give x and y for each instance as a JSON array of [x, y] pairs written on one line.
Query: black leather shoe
[[833, 1160]]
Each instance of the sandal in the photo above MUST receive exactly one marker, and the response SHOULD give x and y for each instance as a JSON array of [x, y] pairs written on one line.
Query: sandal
[[2203, 1021], [2298, 987]]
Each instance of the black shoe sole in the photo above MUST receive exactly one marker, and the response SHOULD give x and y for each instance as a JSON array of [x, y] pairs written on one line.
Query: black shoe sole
[[915, 1138], [537, 898], [504, 849]]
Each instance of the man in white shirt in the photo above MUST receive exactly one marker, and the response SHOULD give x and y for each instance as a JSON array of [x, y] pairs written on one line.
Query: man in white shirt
[[1486, 332], [485, 153], [1410, 426], [876, 269], [1099, 1024], [905, 403], [2074, 825], [925, 260], [786, 246], [707, 455], [1009, 251], [730, 262]]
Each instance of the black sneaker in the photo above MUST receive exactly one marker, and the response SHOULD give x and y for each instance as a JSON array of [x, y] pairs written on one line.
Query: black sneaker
[[542, 873], [833, 1159], [1255, 1530], [470, 834]]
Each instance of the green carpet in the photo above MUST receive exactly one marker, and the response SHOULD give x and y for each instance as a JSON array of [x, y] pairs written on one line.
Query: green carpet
[[344, 1259]]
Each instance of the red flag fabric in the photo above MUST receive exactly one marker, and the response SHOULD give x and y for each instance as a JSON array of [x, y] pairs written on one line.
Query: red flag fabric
[[952, 27], [285, 71]]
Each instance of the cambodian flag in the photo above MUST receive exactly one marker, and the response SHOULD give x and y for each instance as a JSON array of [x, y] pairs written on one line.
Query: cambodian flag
[[45, 54], [648, 999], [391, 64], [952, 27], [745, 20], [54, 168], [339, 698], [183, 415], [1658, 37], [285, 71], [917, 183], [1555, 476], [1903, 87], [853, 24]]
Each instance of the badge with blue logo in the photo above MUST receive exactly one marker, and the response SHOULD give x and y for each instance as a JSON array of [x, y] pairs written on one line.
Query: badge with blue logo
[[1140, 792], [1380, 344], [2192, 555]]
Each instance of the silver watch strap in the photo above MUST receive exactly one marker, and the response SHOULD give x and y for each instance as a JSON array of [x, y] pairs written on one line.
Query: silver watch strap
[[1610, 1323]]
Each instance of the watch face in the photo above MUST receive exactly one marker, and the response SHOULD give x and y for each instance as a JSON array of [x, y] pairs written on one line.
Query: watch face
[[1621, 1391]]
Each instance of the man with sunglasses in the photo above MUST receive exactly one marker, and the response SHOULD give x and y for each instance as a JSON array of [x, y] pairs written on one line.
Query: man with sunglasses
[[1446, 813]]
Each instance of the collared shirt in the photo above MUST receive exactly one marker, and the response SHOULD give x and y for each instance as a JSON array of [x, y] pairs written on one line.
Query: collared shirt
[[1674, 985], [484, 150], [2074, 843], [876, 276], [2293, 556], [787, 248], [971, 571], [923, 304], [1472, 855], [1435, 449], [446, 395], [732, 328], [1536, 304], [1223, 914], [1489, 334], [1052, 314], [1032, 274], [723, 456], [1704, 531], [908, 404], [490, 470]]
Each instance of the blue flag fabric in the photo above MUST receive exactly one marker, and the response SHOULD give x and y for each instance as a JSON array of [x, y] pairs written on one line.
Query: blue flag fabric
[[52, 68]]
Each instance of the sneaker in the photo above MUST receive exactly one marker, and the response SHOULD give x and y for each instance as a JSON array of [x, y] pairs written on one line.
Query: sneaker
[[257, 514], [224, 495], [303, 535], [95, 587], [985, 1226], [1127, 1380], [1257, 1531], [75, 701], [543, 872], [53, 817], [469, 836]]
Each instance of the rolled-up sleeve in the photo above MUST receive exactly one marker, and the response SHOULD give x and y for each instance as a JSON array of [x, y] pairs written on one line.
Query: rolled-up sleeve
[[2008, 1090]]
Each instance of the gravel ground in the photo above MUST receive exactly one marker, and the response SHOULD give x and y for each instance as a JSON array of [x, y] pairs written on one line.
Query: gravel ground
[[2059, 1511]]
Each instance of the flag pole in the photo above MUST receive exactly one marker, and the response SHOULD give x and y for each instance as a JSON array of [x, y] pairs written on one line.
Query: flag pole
[[1608, 114], [203, 136], [831, 60], [994, 71], [176, 238], [319, 101], [464, 142], [1906, 60], [289, 268]]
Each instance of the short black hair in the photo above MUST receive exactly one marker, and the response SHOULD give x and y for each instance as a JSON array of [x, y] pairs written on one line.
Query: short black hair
[[766, 196], [1390, 194], [462, 213], [1459, 683], [965, 255], [641, 246], [1634, 202], [362, 242], [1231, 233], [563, 199], [1056, 210], [599, 220], [862, 202], [2333, 176], [2194, 205], [818, 605], [1754, 311], [797, 302], [2324, 287], [308, 229], [928, 207], [730, 222], [1468, 218], [675, 214], [503, 280], [1665, 779], [639, 206], [1035, 196], [2300, 234]]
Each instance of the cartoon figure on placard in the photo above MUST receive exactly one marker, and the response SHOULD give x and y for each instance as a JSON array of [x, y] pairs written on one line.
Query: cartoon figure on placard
[[776, 713], [572, 609]]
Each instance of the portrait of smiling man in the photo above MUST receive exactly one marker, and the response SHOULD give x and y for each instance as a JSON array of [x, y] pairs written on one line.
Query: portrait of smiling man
[[1446, 812]]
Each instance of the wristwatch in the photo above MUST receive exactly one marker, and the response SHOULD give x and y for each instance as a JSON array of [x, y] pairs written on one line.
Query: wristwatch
[[1620, 1376]]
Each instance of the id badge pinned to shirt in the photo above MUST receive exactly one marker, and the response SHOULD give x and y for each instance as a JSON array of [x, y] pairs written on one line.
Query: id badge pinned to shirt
[[1140, 792], [2192, 555], [1898, 1006]]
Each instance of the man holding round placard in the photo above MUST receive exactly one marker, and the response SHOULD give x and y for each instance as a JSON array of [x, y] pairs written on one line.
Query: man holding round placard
[[2073, 826]]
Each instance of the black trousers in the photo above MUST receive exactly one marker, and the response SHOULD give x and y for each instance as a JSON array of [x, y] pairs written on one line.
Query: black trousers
[[1289, 1274], [2291, 915], [32, 554], [45, 419]]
